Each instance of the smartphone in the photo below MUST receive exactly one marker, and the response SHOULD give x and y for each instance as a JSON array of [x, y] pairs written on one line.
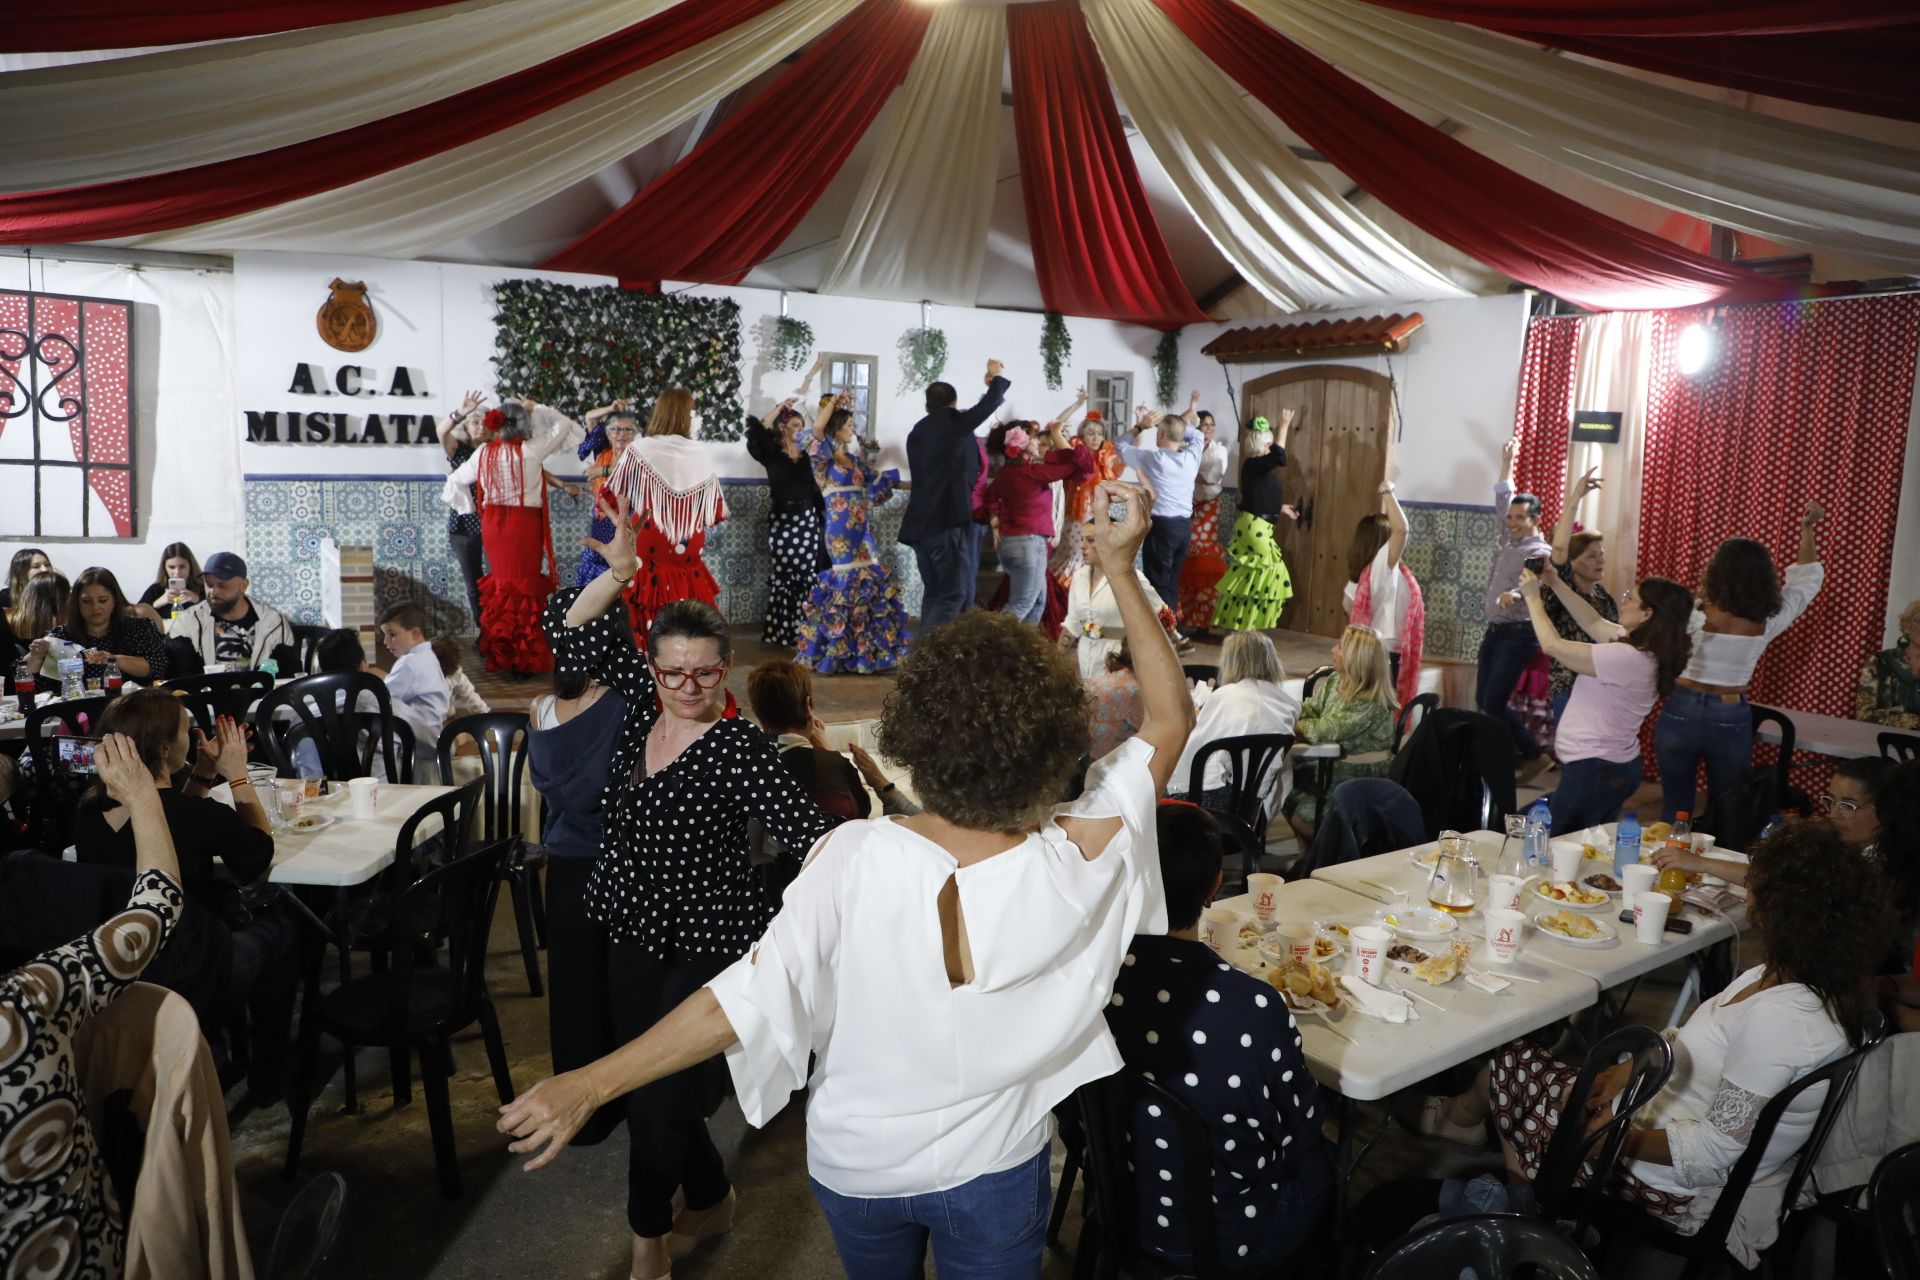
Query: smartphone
[[1539, 566], [77, 753], [176, 585]]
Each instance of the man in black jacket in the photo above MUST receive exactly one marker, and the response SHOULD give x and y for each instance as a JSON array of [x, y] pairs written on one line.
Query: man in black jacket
[[944, 462]]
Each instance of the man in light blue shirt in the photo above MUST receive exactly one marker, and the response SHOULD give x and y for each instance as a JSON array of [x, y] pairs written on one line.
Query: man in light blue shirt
[[1169, 469], [1508, 645]]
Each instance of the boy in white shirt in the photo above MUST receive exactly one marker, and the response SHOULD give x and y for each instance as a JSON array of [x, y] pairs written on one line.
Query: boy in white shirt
[[415, 683]]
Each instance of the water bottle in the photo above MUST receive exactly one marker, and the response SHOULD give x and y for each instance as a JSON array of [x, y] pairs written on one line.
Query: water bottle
[[73, 678], [1626, 844], [1539, 822], [1773, 824], [111, 677]]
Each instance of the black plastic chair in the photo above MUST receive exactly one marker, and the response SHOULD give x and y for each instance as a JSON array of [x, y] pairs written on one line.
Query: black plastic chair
[[1313, 680], [308, 1229], [1783, 768], [1250, 757], [1572, 1176], [1239, 838], [1200, 671], [222, 693], [399, 744], [502, 737], [306, 638], [410, 1008], [1707, 1248], [1893, 1201], [1406, 720], [1494, 1246], [1901, 747], [56, 786], [328, 706]]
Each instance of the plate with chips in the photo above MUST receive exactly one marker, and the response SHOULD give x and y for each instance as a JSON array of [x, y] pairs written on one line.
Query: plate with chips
[[1576, 929]]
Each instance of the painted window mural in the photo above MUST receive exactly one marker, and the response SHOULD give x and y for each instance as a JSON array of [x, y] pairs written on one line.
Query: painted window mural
[[66, 417]]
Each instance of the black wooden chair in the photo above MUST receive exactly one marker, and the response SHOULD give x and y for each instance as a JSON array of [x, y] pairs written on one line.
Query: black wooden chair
[[1491, 1246], [221, 693], [1578, 1164], [1407, 721], [1250, 757], [1706, 1249], [328, 706], [57, 785], [306, 638], [1893, 1200], [416, 1009], [1901, 747], [1783, 767], [503, 737], [1200, 671]]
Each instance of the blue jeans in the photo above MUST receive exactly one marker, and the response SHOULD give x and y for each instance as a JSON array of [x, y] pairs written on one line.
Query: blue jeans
[[1165, 553], [1505, 651], [944, 573], [992, 1228], [976, 534], [1591, 792], [1694, 727], [1024, 557]]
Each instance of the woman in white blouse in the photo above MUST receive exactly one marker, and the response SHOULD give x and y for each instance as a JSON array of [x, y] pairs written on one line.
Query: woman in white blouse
[[1743, 606], [1251, 697], [1093, 627], [946, 972]]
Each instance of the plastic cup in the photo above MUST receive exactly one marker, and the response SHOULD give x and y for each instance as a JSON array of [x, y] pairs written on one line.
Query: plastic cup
[[1637, 878], [1650, 916], [1566, 862], [1702, 844], [1503, 892], [1264, 891], [362, 792], [312, 788], [1505, 929], [1218, 927], [1370, 943]]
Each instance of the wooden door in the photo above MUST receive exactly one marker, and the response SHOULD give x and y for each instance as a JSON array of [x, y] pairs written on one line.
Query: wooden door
[[1336, 459]]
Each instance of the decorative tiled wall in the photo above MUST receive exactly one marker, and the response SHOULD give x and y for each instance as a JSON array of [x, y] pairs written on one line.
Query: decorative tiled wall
[[1450, 550]]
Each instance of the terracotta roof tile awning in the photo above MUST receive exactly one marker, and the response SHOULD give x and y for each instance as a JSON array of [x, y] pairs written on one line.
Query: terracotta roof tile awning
[[1317, 339]]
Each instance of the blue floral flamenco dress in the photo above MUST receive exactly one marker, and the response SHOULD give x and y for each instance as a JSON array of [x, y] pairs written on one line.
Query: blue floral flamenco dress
[[855, 622]]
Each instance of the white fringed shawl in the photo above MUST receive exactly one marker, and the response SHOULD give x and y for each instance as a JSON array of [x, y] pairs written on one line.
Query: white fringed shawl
[[671, 481]]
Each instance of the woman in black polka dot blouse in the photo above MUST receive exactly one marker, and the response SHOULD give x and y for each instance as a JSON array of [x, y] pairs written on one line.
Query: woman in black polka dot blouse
[[672, 895]]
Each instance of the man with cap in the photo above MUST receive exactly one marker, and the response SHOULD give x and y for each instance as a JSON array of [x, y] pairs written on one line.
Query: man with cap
[[232, 628]]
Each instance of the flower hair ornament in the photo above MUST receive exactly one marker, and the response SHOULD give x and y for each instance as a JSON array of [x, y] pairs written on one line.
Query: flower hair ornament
[[495, 419], [1093, 415], [1016, 441]]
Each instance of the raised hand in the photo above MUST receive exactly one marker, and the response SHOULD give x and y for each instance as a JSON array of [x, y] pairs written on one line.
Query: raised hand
[[229, 747], [618, 550], [1814, 515], [1116, 542], [1509, 450], [1386, 487], [1193, 400], [472, 401], [1588, 483], [121, 772], [994, 368]]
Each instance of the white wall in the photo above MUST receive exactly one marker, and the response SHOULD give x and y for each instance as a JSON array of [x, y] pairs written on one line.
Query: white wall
[[1458, 380]]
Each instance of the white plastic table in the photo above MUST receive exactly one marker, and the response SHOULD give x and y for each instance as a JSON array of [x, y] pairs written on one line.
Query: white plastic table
[[1378, 1058], [1827, 735], [353, 850]]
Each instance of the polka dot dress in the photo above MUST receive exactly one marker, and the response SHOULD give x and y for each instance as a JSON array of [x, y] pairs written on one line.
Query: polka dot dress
[[673, 871], [1224, 1044], [795, 540]]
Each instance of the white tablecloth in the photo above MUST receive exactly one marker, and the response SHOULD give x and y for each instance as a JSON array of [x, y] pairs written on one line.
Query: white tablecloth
[[352, 850]]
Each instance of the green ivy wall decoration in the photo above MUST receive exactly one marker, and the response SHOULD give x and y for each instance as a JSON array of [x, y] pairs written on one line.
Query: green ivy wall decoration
[[577, 348], [1166, 368], [792, 343], [923, 357], [1056, 348]]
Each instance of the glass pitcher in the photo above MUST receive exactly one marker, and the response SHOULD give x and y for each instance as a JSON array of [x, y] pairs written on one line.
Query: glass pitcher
[[1455, 885]]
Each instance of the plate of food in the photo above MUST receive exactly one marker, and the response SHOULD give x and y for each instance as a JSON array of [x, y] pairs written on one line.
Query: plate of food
[[1420, 923], [1443, 966], [1576, 929], [1566, 893], [308, 823], [1404, 956], [1307, 988], [1602, 881]]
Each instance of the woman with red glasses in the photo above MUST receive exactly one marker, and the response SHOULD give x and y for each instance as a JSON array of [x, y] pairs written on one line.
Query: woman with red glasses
[[671, 899]]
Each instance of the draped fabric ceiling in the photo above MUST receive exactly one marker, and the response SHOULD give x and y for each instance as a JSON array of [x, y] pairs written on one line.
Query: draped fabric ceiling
[[698, 140]]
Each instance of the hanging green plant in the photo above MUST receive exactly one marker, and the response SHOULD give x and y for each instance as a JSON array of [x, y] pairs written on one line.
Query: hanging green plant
[[1166, 368], [923, 357], [792, 343], [1056, 348]]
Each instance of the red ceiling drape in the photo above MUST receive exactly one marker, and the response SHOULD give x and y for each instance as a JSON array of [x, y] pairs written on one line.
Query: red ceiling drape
[[1875, 72], [730, 202], [131, 24], [1666, 17], [1097, 250], [183, 197], [1451, 191], [1800, 403]]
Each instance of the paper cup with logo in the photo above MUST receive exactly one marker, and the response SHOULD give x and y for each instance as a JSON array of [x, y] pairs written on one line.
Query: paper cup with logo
[[1566, 861], [361, 794], [1637, 878], [1370, 943], [1505, 928], [1503, 892], [1650, 916], [1263, 890], [1219, 927]]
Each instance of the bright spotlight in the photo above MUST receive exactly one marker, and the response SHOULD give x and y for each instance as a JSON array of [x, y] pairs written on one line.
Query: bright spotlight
[[1695, 349]]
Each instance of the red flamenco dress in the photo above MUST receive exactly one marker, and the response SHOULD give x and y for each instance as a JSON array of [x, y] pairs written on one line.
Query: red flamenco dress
[[674, 493], [519, 577]]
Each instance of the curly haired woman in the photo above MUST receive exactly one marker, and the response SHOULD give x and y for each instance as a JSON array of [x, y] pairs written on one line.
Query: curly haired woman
[[1743, 606], [996, 920]]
